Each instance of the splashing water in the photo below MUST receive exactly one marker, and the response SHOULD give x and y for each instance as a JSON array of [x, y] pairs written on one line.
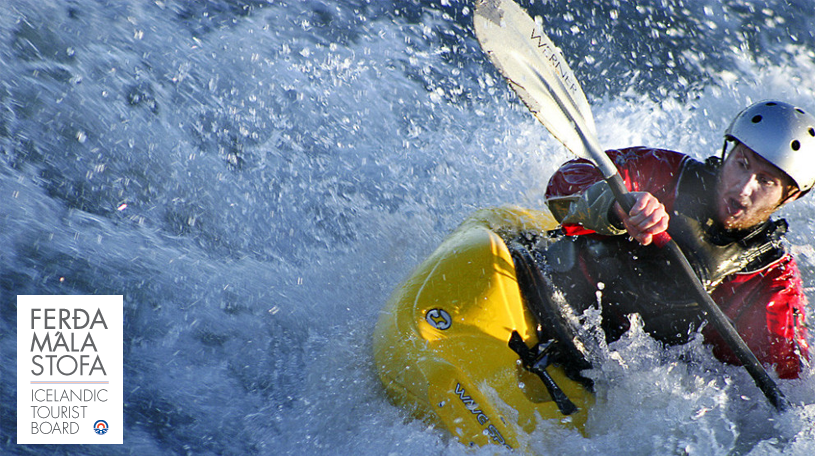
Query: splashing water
[[255, 177]]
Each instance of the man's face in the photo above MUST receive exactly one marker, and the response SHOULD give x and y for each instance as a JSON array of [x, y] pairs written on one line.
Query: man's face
[[749, 190]]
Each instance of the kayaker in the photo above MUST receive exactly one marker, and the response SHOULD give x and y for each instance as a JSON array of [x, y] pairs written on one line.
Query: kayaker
[[719, 212]]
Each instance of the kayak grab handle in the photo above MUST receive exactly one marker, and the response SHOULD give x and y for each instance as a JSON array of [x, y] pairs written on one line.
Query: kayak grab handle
[[537, 363]]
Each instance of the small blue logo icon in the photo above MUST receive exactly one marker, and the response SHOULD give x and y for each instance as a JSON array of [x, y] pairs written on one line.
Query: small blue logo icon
[[100, 427], [439, 319]]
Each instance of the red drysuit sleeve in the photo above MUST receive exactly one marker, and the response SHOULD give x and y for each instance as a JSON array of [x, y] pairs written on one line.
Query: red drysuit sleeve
[[643, 169]]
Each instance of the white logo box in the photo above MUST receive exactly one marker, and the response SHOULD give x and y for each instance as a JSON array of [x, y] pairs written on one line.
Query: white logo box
[[70, 369]]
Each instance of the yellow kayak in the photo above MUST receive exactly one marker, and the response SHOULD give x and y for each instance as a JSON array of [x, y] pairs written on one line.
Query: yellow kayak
[[442, 345]]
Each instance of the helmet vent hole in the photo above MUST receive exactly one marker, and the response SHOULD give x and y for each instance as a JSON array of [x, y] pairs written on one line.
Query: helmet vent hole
[[811, 132], [756, 119], [771, 103], [801, 111], [795, 145]]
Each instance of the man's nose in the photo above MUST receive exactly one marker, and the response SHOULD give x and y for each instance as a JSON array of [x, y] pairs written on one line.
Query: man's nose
[[748, 184]]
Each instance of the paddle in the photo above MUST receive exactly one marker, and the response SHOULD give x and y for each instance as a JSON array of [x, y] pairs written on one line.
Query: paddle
[[538, 73]]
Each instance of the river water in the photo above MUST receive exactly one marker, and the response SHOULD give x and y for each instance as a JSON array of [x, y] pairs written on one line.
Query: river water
[[256, 176]]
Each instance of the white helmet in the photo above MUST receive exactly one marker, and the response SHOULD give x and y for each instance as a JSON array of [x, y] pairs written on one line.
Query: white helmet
[[782, 134]]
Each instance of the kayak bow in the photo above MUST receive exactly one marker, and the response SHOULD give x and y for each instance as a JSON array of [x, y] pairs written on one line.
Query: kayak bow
[[442, 342]]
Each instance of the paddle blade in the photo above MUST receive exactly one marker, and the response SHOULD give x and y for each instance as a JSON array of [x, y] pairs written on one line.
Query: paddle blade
[[537, 71]]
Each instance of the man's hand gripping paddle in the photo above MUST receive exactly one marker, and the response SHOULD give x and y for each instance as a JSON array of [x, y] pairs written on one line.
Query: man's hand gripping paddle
[[538, 73]]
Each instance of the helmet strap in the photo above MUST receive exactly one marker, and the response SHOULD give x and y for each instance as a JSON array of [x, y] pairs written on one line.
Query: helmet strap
[[794, 195]]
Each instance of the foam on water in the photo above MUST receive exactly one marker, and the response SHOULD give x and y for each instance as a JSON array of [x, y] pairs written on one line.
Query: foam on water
[[255, 177]]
